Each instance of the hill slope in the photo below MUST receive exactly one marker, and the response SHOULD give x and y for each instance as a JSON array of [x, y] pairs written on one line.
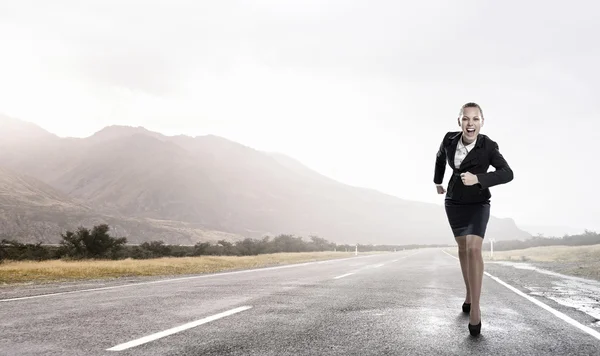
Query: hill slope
[[221, 185], [32, 211]]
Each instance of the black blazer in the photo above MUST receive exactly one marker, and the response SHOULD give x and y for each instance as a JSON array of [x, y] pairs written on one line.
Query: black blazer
[[477, 161]]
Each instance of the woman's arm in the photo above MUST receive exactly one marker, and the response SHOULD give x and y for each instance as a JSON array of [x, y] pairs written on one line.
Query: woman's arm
[[440, 164], [503, 173]]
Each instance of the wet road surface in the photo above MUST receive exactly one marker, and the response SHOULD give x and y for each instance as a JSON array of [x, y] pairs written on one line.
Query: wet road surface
[[404, 303]]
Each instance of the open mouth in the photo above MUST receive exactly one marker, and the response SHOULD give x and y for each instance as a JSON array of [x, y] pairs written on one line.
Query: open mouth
[[470, 131]]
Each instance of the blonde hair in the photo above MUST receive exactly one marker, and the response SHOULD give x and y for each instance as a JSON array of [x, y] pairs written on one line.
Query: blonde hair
[[469, 105]]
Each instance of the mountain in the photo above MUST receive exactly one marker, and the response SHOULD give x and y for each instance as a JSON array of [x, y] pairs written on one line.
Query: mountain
[[221, 185], [17, 131], [30, 149], [32, 211]]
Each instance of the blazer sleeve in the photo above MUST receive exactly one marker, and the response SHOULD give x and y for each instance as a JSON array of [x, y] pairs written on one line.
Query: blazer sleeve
[[440, 163], [503, 173]]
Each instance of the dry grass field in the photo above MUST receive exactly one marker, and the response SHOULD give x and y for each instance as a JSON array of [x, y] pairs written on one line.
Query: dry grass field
[[581, 261], [60, 270], [552, 254]]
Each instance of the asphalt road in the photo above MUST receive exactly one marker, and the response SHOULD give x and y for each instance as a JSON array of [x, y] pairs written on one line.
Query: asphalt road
[[404, 303]]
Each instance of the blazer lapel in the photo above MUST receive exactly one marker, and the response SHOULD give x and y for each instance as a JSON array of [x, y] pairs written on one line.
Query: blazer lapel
[[471, 155], [452, 150]]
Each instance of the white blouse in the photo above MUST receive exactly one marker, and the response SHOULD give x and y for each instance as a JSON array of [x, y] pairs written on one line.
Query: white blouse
[[462, 151]]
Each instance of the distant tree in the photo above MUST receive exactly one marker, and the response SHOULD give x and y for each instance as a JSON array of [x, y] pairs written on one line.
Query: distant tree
[[248, 247], [226, 248], [156, 248], [14, 250], [288, 243], [201, 248], [96, 243], [3, 252], [320, 244]]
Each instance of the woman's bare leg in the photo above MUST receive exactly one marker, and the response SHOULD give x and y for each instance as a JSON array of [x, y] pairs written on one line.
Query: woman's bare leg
[[475, 273], [462, 256]]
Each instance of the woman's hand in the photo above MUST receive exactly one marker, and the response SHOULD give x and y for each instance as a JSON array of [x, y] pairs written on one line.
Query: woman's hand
[[440, 189], [469, 178]]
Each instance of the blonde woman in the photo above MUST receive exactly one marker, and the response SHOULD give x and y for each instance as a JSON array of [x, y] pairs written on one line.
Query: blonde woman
[[470, 153]]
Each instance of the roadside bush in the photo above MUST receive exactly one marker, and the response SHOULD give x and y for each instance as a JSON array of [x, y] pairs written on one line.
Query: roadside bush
[[95, 243], [16, 251]]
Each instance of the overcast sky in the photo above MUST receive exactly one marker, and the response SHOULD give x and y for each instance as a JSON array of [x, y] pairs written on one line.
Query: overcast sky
[[361, 91]]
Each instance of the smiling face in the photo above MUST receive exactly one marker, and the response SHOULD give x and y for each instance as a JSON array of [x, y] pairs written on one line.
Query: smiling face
[[470, 123]]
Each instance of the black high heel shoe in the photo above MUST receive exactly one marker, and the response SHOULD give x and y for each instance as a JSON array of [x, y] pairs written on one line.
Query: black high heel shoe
[[475, 329], [466, 308]]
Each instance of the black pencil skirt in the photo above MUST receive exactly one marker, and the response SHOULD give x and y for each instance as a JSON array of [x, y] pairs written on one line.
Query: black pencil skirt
[[468, 219]]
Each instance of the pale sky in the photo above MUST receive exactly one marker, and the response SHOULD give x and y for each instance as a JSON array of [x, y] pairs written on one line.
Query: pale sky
[[361, 91]]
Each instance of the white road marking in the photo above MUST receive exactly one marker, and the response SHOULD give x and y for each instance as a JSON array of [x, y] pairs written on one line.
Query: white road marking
[[456, 258], [373, 266], [180, 279], [556, 313], [344, 275], [403, 257], [174, 330]]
